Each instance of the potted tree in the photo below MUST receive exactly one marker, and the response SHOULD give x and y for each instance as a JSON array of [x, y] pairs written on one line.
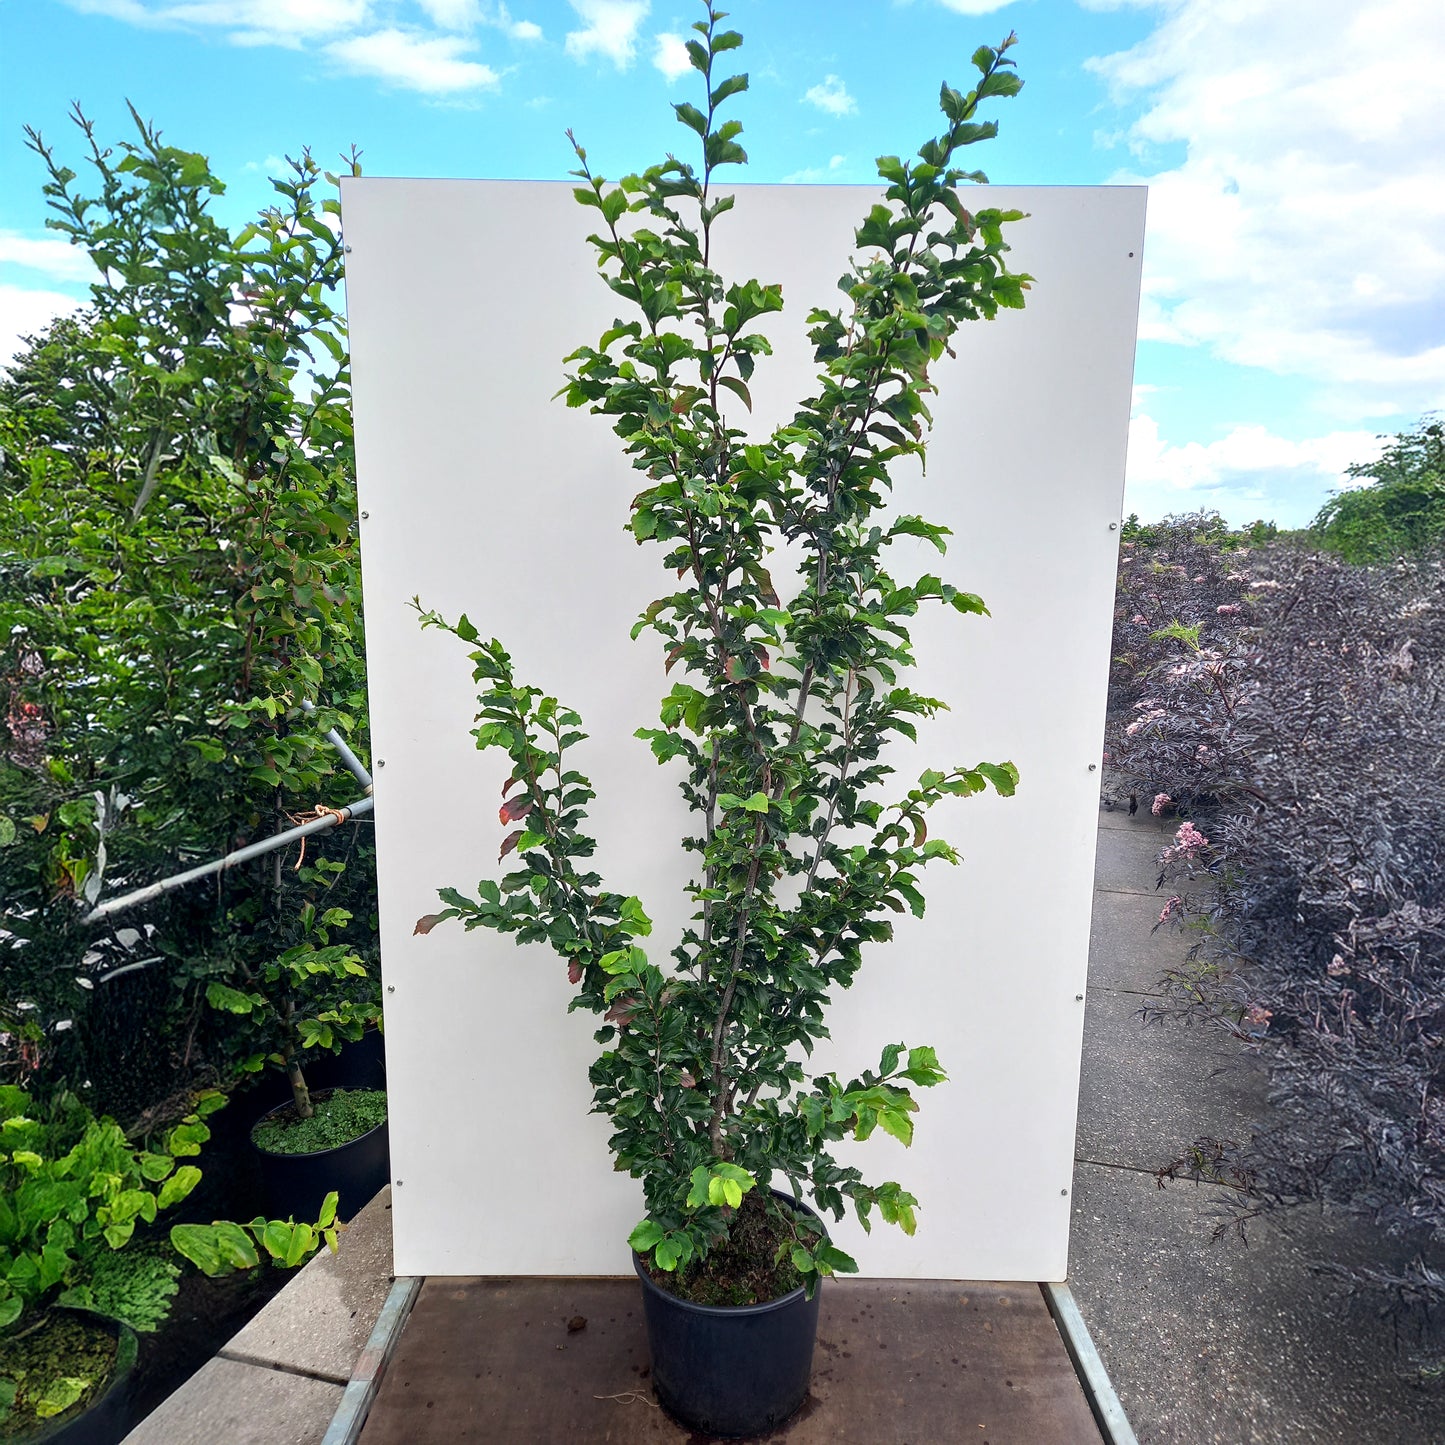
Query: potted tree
[[777, 723], [313, 998]]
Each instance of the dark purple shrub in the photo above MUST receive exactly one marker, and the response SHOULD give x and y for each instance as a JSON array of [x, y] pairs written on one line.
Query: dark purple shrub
[[1305, 735]]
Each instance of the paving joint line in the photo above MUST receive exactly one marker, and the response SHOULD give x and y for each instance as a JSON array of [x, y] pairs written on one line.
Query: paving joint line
[[237, 1358], [1106, 1164]]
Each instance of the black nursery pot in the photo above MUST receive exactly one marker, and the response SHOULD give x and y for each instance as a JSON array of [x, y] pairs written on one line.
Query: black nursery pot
[[295, 1184], [731, 1369], [107, 1417]]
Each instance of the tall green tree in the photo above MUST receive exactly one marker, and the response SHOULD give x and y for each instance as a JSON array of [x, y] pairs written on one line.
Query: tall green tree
[[1399, 510], [179, 573]]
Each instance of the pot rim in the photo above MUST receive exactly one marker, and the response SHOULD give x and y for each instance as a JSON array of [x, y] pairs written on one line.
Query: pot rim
[[736, 1311], [309, 1153]]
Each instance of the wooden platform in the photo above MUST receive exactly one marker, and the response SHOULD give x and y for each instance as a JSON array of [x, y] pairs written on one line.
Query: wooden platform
[[898, 1362]]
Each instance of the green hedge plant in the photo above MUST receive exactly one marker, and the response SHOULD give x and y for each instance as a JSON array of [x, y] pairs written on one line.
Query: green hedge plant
[[783, 696]]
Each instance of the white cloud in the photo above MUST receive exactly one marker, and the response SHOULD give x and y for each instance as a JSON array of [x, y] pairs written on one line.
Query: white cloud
[[611, 29], [452, 14], [517, 29], [268, 22], [25, 313], [433, 66], [55, 258], [832, 96], [671, 56], [974, 7], [1304, 230], [811, 175], [1245, 474]]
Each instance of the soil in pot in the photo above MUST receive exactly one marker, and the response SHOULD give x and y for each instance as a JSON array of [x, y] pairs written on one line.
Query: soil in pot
[[76, 1361], [745, 1269], [341, 1116]]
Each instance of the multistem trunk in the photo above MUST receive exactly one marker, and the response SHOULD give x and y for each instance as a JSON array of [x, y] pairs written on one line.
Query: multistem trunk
[[300, 1094]]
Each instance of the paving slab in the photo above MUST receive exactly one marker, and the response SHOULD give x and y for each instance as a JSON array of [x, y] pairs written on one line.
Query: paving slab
[[1146, 1091], [319, 1323], [230, 1403], [1118, 817], [1219, 1343], [929, 1362], [1124, 951], [1124, 859]]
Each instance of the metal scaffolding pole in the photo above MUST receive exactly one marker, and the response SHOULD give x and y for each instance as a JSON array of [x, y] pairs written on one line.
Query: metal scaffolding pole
[[330, 819]]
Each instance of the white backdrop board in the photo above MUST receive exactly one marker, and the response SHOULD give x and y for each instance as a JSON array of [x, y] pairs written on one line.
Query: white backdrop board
[[482, 494]]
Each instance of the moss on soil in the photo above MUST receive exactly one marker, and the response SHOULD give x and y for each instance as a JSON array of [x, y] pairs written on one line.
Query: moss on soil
[[67, 1346], [341, 1116], [741, 1269]]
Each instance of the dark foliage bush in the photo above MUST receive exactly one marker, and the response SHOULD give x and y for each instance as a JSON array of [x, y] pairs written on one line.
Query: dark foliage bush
[[1301, 729]]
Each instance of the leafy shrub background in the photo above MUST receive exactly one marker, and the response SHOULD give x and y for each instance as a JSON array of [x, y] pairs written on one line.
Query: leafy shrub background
[[179, 570]]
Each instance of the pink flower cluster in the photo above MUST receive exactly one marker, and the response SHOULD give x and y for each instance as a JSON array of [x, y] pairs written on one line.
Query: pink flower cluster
[[1152, 716], [1174, 905], [1161, 801], [1187, 843], [1228, 609], [1139, 620]]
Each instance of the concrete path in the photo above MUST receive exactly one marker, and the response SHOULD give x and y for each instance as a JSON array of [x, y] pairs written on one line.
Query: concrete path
[[280, 1380], [1205, 1342]]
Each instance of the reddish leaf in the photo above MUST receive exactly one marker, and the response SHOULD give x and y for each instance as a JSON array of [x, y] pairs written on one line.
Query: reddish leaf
[[920, 830], [426, 923], [734, 669], [509, 842], [621, 1013], [767, 661], [508, 785], [513, 809], [672, 658], [574, 971]]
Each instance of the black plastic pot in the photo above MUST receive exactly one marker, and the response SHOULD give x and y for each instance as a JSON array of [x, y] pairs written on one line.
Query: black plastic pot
[[295, 1184], [107, 1417], [731, 1369]]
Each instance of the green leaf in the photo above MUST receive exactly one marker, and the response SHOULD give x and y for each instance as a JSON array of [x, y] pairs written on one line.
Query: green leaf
[[646, 1235], [666, 1255], [731, 86], [1004, 777], [60, 1395], [758, 803], [923, 1067], [633, 918], [178, 1186], [738, 389], [231, 1000], [691, 117], [832, 1260], [154, 1167]]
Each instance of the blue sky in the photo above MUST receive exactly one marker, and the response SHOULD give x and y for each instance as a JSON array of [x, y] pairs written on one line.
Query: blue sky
[[1294, 301]]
